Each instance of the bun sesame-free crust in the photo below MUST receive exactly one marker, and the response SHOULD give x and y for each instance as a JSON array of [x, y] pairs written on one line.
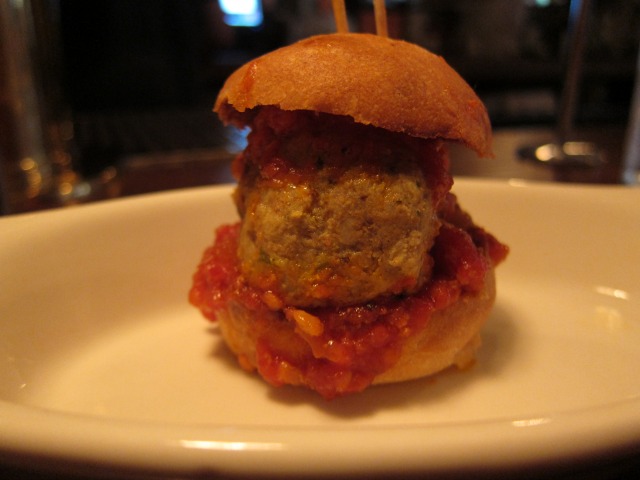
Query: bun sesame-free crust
[[376, 80], [451, 337]]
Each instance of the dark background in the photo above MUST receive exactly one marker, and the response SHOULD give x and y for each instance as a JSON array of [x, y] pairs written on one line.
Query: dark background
[[141, 76]]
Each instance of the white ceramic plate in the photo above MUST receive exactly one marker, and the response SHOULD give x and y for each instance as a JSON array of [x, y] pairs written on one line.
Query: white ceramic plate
[[103, 364]]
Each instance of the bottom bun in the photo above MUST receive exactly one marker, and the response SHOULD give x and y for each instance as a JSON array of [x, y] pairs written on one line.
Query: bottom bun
[[450, 337]]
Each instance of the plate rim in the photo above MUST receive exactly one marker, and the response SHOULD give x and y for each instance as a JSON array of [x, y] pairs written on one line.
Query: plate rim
[[165, 448]]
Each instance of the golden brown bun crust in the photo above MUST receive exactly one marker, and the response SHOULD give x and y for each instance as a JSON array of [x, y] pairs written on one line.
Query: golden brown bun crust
[[451, 337], [375, 80]]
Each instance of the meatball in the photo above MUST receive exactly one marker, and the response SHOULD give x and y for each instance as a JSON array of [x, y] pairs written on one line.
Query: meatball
[[319, 229]]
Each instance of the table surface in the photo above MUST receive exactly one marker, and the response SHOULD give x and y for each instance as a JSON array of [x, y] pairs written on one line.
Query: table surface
[[150, 173], [156, 172]]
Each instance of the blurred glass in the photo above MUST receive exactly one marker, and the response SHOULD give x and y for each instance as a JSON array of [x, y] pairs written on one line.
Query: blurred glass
[[36, 132], [25, 171], [566, 150], [631, 159]]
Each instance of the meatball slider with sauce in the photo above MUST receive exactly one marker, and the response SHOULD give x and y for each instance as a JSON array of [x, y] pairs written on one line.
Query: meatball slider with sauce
[[352, 263]]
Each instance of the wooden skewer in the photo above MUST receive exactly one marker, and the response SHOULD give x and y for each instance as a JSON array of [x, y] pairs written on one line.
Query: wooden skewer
[[340, 14], [381, 18]]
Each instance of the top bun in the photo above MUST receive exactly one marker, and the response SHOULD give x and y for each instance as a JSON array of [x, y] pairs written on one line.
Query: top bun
[[376, 80]]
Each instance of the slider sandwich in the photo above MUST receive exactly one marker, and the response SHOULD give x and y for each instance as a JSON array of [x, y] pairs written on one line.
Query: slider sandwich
[[353, 263]]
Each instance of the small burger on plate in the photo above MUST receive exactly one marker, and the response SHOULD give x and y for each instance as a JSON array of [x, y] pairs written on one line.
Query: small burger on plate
[[352, 263]]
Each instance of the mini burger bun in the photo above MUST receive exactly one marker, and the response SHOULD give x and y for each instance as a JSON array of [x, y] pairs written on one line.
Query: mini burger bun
[[376, 80], [450, 338]]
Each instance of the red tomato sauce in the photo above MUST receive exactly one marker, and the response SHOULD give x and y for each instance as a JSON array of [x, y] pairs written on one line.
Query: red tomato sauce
[[289, 146], [357, 343]]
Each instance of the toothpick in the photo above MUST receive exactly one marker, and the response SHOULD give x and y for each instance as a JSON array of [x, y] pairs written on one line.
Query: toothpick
[[340, 14], [381, 18]]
